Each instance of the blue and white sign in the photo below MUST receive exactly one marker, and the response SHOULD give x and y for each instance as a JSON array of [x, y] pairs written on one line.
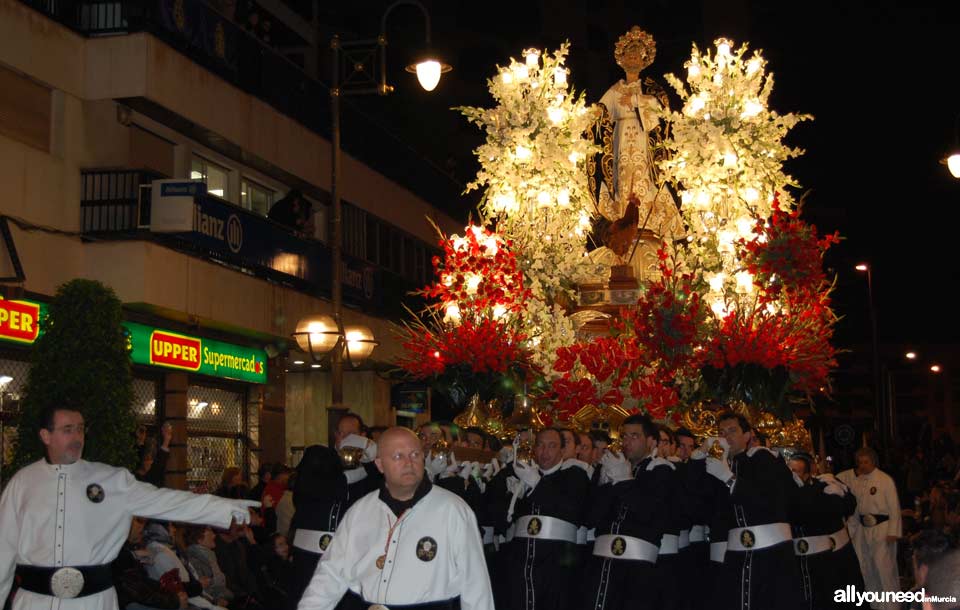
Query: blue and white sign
[[172, 204]]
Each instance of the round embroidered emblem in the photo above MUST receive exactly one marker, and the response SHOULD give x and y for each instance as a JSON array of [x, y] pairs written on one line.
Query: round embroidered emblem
[[426, 549], [747, 539], [619, 546], [95, 493], [803, 546], [533, 528], [325, 541], [873, 491]]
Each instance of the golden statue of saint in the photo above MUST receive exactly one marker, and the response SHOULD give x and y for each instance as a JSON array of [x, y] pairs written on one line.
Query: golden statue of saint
[[627, 186]]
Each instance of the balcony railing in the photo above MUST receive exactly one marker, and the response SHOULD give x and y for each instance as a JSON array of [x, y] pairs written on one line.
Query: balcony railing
[[224, 48], [116, 205]]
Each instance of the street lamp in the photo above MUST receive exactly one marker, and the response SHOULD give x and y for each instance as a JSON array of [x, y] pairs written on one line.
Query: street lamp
[[322, 336], [882, 426], [356, 71]]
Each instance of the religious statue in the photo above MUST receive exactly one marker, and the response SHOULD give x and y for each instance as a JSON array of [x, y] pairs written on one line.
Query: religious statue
[[638, 208]]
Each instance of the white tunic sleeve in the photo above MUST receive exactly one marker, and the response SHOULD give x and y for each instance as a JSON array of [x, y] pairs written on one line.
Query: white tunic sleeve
[[9, 537], [471, 567], [145, 500], [331, 580]]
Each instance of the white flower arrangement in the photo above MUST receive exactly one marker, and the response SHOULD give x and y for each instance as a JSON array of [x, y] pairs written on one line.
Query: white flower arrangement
[[533, 168], [727, 156]]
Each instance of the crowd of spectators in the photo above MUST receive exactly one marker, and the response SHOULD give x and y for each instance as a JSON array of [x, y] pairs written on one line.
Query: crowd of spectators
[[167, 565]]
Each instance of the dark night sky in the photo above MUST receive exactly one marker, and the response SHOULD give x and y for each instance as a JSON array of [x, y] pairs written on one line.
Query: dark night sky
[[880, 78]]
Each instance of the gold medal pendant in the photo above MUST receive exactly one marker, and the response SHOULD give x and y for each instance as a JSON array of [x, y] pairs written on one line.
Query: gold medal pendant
[[380, 561]]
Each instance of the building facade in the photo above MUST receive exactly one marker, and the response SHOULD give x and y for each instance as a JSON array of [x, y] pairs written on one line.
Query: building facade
[[102, 105]]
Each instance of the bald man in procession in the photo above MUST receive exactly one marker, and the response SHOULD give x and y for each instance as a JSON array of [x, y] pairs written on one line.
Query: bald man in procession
[[409, 544]]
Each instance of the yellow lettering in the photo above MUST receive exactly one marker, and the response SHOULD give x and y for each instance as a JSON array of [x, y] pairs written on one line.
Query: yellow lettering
[[27, 323], [14, 320], [193, 354], [4, 315]]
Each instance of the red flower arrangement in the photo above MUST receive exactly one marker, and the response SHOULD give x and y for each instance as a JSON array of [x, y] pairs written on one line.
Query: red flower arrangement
[[652, 348], [781, 344], [787, 254], [469, 340]]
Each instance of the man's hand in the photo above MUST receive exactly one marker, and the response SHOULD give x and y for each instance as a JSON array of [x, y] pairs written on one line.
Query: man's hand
[[370, 452], [616, 468], [527, 473], [240, 511], [435, 466], [166, 434], [719, 469], [182, 598]]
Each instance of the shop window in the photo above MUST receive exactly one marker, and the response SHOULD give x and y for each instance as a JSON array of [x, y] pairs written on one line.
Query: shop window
[[217, 435], [255, 197], [216, 176]]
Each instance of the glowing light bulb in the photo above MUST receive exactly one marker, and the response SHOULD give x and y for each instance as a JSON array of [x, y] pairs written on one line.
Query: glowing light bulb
[[556, 114], [533, 58], [499, 311], [506, 77], [544, 199], [751, 108], [491, 246], [574, 157], [697, 104], [716, 281], [451, 314], [753, 66], [560, 76], [472, 283], [459, 243], [751, 195], [730, 159], [522, 153], [693, 70], [723, 47], [520, 72], [744, 282], [719, 308], [563, 198], [428, 73]]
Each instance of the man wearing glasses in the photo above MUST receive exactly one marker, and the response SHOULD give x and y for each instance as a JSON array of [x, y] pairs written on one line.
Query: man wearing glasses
[[63, 520], [411, 544]]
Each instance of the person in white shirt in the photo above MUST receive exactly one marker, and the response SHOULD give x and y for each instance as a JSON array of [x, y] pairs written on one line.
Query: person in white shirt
[[63, 520], [875, 526], [410, 544]]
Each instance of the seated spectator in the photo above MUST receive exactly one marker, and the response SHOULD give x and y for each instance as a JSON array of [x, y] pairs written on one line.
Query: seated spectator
[[237, 554], [263, 477], [285, 508], [232, 477], [276, 571], [201, 543], [277, 485], [135, 589], [167, 568]]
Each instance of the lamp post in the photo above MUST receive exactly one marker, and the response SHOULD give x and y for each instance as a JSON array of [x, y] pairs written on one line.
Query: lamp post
[[364, 66], [881, 424]]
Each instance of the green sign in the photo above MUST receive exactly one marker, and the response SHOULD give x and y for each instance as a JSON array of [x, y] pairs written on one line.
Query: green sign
[[19, 323], [158, 347]]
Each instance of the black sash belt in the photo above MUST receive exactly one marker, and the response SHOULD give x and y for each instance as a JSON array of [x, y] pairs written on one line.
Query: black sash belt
[[870, 520], [36, 579], [449, 604]]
